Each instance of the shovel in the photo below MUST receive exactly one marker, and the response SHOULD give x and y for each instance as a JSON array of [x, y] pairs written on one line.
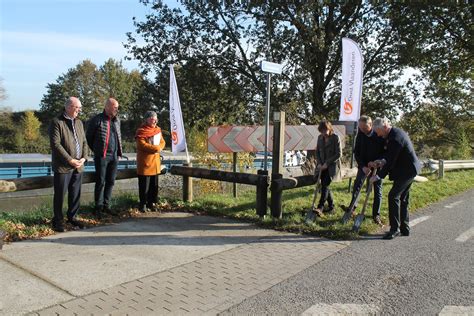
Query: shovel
[[311, 214], [348, 212], [360, 218]]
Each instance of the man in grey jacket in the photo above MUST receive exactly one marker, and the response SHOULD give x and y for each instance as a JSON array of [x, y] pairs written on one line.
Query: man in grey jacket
[[104, 138], [68, 154]]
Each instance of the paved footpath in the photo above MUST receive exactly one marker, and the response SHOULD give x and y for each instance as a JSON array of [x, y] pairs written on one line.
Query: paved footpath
[[187, 264]]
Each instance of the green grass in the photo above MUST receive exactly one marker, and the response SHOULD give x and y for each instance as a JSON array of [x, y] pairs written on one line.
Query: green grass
[[296, 202]]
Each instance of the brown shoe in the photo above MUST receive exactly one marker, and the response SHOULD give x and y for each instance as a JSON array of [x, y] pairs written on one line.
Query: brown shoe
[[318, 212], [378, 220]]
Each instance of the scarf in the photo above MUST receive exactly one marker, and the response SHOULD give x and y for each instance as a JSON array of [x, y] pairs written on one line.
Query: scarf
[[146, 131]]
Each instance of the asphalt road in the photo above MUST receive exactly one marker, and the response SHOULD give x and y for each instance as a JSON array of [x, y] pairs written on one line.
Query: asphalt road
[[428, 273]]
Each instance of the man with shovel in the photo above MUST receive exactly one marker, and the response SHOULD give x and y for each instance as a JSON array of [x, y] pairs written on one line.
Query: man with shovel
[[402, 165], [368, 147]]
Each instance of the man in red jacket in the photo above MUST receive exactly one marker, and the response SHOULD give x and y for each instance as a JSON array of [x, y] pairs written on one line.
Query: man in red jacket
[[104, 138]]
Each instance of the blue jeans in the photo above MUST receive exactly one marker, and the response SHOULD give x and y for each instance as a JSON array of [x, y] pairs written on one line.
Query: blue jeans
[[105, 173], [358, 183]]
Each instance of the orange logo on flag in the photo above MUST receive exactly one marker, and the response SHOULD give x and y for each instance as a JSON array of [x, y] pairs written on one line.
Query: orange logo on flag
[[174, 137], [347, 107]]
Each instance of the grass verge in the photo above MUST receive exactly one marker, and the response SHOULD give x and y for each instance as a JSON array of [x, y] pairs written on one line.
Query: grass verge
[[36, 223]]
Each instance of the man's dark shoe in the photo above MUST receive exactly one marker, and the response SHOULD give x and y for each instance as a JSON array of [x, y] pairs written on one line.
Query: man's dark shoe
[[153, 207], [76, 223], [108, 210], [405, 232], [98, 214], [329, 210], [390, 235], [58, 228], [142, 208], [347, 209]]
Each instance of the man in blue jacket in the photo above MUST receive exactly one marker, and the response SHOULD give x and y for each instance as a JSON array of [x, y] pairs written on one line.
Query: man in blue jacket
[[104, 138], [368, 147], [402, 165]]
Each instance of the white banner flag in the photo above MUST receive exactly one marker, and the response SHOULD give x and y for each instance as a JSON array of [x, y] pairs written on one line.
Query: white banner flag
[[178, 138], [352, 71]]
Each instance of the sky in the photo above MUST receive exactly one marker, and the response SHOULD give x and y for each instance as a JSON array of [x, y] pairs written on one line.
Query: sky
[[41, 39]]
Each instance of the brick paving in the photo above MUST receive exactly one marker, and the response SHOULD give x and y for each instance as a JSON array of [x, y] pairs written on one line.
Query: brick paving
[[209, 285]]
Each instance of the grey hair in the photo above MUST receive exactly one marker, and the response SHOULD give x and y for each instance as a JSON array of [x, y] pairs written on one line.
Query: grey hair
[[70, 101], [381, 122], [149, 114], [365, 119]]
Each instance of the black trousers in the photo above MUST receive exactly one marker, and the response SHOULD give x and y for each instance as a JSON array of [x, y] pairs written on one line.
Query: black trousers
[[66, 182], [398, 200], [148, 190], [326, 194], [358, 183], [105, 172]]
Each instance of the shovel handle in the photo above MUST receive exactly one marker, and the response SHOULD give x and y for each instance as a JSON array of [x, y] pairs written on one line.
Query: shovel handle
[[316, 188]]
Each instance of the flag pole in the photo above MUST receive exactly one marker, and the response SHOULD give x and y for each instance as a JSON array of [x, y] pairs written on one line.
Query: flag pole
[[178, 134]]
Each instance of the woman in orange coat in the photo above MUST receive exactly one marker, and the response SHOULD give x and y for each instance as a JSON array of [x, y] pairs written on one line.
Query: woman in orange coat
[[149, 144]]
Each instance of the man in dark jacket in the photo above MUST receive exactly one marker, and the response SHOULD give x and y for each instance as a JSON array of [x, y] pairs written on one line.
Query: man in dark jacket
[[368, 147], [402, 165], [68, 154], [104, 138]]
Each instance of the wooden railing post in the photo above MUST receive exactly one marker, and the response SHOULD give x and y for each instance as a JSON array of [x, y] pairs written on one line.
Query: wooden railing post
[[277, 162], [187, 186], [234, 169], [262, 188], [2, 235]]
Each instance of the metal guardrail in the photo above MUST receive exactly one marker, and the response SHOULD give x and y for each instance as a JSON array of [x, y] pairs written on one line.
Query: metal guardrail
[[11, 170], [441, 165], [29, 169], [434, 165]]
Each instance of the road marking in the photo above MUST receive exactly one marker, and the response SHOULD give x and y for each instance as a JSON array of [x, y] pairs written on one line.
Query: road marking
[[453, 204], [341, 309], [457, 310], [466, 235], [418, 220]]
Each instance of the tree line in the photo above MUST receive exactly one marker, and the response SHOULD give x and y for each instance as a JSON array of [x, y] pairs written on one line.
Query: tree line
[[417, 66]]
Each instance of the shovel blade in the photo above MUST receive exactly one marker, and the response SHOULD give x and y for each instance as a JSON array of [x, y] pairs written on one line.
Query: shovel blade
[[310, 216], [357, 223], [346, 217]]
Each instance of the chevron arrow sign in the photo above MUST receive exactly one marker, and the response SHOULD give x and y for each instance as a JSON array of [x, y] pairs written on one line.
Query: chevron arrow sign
[[231, 139]]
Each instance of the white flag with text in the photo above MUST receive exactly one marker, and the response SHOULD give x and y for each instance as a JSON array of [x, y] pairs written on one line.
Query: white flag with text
[[352, 72], [178, 138]]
